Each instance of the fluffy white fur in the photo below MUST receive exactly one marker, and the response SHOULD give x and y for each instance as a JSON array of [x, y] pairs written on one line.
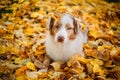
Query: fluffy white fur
[[63, 51]]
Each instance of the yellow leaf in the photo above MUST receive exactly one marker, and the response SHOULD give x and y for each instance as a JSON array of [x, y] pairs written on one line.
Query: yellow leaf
[[34, 15], [21, 71], [89, 68], [39, 52], [2, 49], [8, 36], [41, 11], [40, 47], [29, 43], [90, 52], [10, 27], [82, 60], [107, 46], [101, 48], [43, 76], [18, 60], [30, 66], [13, 49], [20, 1], [96, 61], [96, 68], [56, 65], [96, 32], [40, 29], [110, 32], [76, 58], [29, 31], [3, 31], [62, 9], [114, 51], [87, 79], [20, 78]]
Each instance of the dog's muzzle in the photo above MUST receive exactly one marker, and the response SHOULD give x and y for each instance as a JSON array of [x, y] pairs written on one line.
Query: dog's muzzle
[[60, 39]]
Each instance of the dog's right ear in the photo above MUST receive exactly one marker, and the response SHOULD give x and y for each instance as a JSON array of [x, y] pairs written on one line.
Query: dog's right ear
[[50, 23]]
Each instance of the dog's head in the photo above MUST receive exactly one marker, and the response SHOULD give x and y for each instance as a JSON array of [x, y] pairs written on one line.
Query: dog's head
[[64, 29]]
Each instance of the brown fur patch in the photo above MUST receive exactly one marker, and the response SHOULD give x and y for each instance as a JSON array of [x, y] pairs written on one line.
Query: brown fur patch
[[52, 32], [72, 36], [55, 28], [52, 21], [76, 26], [70, 30]]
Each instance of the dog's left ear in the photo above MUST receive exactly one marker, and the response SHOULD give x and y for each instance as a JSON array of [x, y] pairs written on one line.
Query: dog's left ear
[[77, 26]]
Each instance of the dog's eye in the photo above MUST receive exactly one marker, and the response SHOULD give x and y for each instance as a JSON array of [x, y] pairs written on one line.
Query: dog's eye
[[69, 28], [57, 26]]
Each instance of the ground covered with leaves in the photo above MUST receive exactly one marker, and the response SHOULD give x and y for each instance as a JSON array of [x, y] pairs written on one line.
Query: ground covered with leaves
[[22, 37]]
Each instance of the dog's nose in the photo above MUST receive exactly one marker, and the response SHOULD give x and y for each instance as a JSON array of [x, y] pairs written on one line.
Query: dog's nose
[[60, 38]]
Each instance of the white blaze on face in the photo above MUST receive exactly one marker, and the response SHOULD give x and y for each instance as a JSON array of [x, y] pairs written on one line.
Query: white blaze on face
[[62, 32]]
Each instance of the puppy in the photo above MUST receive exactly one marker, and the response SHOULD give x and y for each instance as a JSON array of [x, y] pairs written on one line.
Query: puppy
[[64, 38]]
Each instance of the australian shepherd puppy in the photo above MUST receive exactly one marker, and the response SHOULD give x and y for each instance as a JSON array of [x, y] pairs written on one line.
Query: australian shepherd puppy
[[64, 38]]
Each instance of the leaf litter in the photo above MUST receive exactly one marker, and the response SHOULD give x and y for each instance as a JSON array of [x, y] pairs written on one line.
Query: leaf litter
[[22, 37]]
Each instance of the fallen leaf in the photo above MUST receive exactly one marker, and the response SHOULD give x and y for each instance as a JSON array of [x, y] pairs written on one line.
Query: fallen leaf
[[57, 65], [97, 69], [21, 71], [30, 66], [32, 75], [76, 58], [34, 15], [2, 49], [20, 78], [3, 31], [29, 31], [96, 61]]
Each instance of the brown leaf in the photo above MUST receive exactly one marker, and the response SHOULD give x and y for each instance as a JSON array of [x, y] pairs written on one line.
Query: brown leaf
[[56, 65], [43, 63]]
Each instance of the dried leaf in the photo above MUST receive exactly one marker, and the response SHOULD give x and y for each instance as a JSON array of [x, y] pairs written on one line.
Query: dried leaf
[[21, 71], [20, 78], [34, 15], [29, 31], [76, 58], [96, 61], [2, 49], [115, 72], [114, 51], [97, 69], [32, 75], [23, 29], [3, 31], [57, 65], [43, 63], [30, 66], [89, 68]]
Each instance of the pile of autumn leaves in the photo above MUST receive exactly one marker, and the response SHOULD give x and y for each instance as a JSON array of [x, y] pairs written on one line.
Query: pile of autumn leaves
[[22, 37]]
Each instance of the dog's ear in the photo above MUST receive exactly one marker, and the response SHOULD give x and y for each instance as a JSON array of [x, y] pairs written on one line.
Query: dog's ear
[[77, 26], [50, 23]]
